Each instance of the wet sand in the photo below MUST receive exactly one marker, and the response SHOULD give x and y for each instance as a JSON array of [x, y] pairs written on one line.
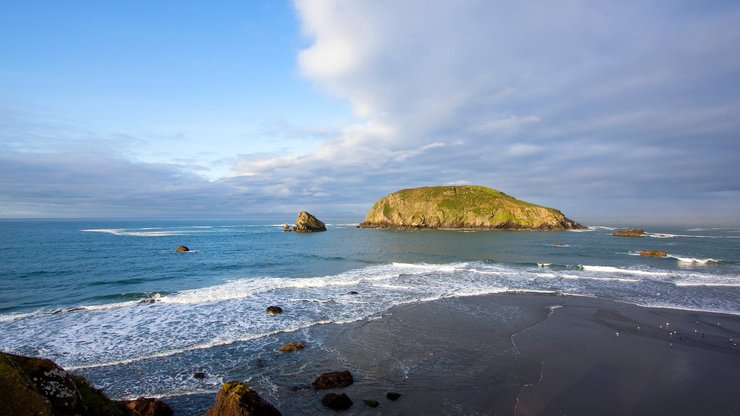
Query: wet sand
[[514, 354]]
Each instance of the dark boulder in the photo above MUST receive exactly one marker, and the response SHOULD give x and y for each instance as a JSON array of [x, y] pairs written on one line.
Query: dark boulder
[[144, 406], [236, 399], [199, 375], [306, 223], [333, 379], [274, 310], [393, 396], [372, 403], [336, 401]]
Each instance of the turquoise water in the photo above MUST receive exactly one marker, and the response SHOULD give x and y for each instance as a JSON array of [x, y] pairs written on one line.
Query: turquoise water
[[114, 300]]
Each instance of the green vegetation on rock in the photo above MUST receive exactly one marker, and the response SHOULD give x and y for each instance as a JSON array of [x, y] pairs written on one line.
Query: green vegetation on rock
[[474, 207]]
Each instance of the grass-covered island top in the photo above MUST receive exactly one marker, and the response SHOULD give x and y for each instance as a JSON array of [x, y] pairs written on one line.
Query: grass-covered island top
[[468, 207]]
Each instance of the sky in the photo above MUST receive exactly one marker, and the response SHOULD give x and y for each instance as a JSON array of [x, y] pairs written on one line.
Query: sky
[[613, 112]]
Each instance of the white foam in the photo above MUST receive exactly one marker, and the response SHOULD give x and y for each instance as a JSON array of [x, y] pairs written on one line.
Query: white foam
[[585, 230], [544, 264], [727, 284], [601, 227], [605, 279], [611, 269], [122, 232], [693, 260], [234, 311]]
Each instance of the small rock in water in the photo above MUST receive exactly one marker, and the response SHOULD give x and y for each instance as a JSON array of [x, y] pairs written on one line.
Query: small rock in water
[[337, 401], [292, 346], [333, 380], [393, 396], [352, 292], [274, 310], [182, 249], [372, 403], [199, 375]]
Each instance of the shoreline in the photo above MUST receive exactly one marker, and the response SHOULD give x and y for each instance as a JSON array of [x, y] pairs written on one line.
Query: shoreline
[[513, 354]]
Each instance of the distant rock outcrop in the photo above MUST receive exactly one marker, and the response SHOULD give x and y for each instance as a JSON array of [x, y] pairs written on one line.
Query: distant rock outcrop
[[38, 386], [307, 223], [632, 232], [236, 399], [182, 249], [653, 253], [474, 207]]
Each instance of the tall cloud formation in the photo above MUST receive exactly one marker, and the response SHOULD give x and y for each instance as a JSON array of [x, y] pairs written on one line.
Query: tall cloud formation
[[603, 109]]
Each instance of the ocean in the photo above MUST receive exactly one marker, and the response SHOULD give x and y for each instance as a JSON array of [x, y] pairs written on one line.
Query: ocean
[[114, 301]]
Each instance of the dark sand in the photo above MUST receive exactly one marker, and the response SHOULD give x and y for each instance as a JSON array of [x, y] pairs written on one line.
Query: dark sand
[[522, 354]]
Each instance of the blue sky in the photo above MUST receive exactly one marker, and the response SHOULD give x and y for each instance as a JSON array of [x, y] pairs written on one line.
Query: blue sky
[[622, 112]]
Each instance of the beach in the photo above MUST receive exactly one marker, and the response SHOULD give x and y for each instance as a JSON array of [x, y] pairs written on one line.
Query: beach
[[516, 354]]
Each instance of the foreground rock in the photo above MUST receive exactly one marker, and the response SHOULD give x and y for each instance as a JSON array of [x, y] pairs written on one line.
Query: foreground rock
[[37, 386], [236, 399], [653, 253], [632, 232], [333, 379], [307, 223], [336, 401], [182, 249], [473, 207]]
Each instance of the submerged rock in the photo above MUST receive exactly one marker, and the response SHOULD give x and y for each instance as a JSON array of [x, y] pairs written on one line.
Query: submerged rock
[[632, 232], [306, 223], [372, 403], [473, 207], [274, 310], [336, 401], [392, 396], [333, 379], [236, 399], [653, 253], [292, 346], [182, 249], [199, 375]]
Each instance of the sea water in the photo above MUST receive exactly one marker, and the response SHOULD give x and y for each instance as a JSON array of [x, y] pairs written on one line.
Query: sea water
[[113, 300]]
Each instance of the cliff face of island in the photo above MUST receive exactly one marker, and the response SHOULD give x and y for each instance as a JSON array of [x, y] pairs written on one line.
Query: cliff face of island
[[474, 207]]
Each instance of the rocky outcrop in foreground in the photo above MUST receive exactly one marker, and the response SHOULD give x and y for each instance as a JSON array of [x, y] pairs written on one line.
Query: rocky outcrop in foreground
[[37, 386], [632, 232], [306, 223], [236, 399], [472, 207]]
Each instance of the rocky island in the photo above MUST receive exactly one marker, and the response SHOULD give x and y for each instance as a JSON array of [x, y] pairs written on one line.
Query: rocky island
[[466, 207]]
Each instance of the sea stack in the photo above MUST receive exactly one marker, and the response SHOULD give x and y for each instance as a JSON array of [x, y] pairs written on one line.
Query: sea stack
[[467, 207], [307, 223]]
